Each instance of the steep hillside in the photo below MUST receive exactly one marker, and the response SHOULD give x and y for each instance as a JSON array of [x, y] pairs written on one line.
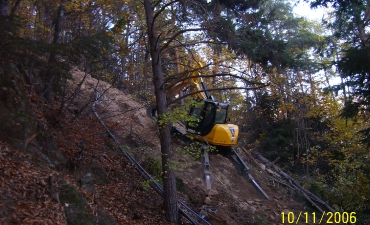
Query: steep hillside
[[61, 167], [232, 199]]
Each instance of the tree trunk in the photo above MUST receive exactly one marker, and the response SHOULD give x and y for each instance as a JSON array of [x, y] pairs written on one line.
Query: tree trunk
[[170, 192], [50, 74], [361, 27], [15, 7], [4, 7]]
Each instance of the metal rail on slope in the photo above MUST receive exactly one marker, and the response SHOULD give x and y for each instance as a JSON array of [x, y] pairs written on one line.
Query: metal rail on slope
[[154, 184], [246, 169], [207, 165], [234, 157]]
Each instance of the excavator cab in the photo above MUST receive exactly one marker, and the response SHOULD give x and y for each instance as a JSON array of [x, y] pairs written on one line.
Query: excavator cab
[[206, 116], [211, 124]]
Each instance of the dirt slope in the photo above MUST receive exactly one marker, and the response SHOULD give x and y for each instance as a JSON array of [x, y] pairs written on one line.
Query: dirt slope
[[232, 200]]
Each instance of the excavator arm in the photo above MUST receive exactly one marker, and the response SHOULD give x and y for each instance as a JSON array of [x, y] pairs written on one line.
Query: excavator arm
[[188, 80]]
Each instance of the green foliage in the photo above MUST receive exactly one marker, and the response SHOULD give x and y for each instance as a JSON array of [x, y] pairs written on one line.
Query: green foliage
[[120, 24], [355, 66], [350, 193], [317, 141], [96, 49], [194, 149], [180, 114], [17, 48], [267, 32], [341, 162], [154, 167], [350, 44], [175, 165], [273, 135], [33, 54], [146, 184], [277, 139]]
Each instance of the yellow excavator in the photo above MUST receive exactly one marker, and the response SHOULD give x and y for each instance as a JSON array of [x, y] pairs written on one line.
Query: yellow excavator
[[211, 124]]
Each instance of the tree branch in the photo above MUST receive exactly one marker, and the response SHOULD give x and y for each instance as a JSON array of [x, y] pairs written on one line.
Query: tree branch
[[177, 34], [207, 76], [162, 9], [192, 44], [216, 89]]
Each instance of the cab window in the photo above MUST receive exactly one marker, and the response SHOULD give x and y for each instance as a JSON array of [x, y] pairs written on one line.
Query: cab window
[[220, 115]]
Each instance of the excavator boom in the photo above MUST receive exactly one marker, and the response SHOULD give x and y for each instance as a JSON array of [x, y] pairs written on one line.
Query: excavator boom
[[189, 80]]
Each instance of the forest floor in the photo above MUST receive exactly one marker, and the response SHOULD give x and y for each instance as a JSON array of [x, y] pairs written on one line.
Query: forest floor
[[33, 190]]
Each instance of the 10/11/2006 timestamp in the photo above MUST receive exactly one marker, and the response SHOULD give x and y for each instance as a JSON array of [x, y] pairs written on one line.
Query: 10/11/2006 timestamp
[[325, 218]]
